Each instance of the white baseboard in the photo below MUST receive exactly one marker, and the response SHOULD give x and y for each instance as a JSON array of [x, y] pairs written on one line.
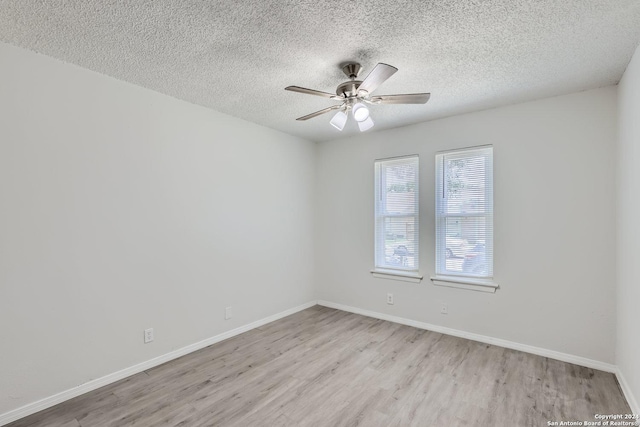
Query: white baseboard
[[631, 399], [47, 402], [564, 357], [50, 401]]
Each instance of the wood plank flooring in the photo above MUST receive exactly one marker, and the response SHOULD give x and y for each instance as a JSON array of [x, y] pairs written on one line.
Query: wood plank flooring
[[325, 367]]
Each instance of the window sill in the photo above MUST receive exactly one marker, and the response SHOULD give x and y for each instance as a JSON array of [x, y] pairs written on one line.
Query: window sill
[[403, 276], [481, 285]]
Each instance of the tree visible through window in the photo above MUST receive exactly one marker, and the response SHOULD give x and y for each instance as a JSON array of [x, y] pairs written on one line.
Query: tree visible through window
[[396, 213]]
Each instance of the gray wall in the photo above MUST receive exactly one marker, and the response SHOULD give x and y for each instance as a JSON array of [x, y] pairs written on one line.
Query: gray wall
[[554, 181], [628, 267], [124, 209]]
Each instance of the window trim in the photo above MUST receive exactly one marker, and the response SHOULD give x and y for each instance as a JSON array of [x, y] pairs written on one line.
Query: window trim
[[382, 271], [401, 275], [461, 280]]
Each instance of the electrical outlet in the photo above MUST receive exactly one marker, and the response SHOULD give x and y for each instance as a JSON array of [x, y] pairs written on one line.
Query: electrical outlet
[[148, 335], [390, 299], [227, 313], [443, 308]]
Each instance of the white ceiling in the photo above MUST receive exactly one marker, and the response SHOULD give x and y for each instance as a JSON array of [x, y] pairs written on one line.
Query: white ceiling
[[237, 56]]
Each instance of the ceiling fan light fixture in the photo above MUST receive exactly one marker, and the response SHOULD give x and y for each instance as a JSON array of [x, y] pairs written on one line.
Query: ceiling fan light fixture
[[366, 124], [360, 112], [339, 120], [355, 93]]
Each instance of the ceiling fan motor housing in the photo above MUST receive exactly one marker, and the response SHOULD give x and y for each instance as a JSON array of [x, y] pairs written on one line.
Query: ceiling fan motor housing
[[348, 89]]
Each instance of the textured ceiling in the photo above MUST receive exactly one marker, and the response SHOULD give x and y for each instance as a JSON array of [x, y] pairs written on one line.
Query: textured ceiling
[[237, 56]]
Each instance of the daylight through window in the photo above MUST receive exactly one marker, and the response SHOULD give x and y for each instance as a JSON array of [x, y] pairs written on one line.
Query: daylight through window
[[396, 213], [464, 213]]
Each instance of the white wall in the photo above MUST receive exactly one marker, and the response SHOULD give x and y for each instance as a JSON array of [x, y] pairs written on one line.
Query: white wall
[[628, 266], [123, 209], [554, 223]]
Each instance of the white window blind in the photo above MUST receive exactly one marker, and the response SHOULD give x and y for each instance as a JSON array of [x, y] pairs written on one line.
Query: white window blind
[[396, 214], [464, 213]]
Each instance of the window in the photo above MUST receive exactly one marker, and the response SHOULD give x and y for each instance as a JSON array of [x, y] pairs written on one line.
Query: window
[[464, 216], [396, 216]]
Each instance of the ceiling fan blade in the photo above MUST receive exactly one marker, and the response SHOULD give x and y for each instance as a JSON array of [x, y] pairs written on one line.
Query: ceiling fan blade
[[376, 77], [317, 113], [311, 92], [411, 98]]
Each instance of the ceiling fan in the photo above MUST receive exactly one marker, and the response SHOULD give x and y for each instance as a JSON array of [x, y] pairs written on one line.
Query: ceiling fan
[[354, 94]]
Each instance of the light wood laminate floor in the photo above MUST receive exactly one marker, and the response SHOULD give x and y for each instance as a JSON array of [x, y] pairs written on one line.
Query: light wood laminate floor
[[325, 367]]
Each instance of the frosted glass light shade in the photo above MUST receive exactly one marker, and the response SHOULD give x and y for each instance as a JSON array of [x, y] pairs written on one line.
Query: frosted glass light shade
[[339, 120], [360, 112], [366, 125]]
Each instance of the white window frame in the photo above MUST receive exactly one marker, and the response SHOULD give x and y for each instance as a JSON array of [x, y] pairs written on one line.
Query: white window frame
[[381, 269], [444, 277]]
